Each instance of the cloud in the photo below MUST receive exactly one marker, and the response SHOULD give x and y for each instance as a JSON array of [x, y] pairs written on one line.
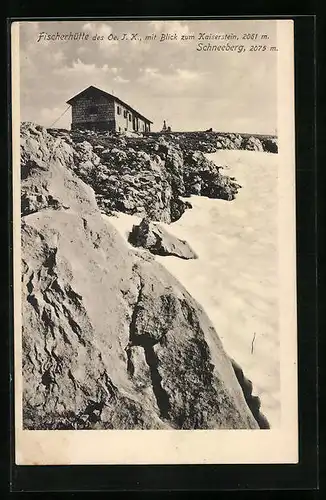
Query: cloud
[[82, 50], [101, 29], [135, 48], [178, 74], [28, 33], [120, 79], [150, 71], [49, 115], [104, 36], [88, 26], [46, 116], [58, 56], [186, 74], [161, 79], [179, 81], [80, 75], [80, 69], [170, 27]]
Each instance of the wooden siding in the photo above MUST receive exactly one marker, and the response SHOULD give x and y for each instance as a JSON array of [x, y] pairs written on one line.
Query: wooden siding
[[126, 120], [92, 109]]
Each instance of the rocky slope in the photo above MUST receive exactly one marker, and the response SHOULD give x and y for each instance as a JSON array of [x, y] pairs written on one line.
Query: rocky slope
[[210, 141], [146, 176], [110, 339]]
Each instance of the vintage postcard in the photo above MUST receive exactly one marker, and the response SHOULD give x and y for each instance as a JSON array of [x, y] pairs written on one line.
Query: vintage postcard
[[154, 242]]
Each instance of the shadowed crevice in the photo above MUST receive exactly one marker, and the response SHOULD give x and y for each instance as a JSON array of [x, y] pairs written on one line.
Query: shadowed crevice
[[252, 401]]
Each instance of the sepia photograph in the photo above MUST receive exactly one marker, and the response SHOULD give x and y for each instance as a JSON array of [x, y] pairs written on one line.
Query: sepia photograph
[[154, 245]]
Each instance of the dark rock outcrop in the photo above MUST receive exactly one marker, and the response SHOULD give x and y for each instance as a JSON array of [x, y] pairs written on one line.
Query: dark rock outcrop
[[270, 144], [110, 340], [158, 241], [202, 177]]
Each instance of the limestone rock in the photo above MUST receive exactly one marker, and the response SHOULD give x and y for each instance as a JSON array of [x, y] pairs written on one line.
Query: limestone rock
[[158, 241], [253, 144], [203, 177], [42, 187], [226, 142], [147, 177], [211, 141], [110, 339], [270, 145]]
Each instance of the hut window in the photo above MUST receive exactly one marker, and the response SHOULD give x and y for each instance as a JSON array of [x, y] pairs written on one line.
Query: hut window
[[118, 110], [125, 114], [129, 117]]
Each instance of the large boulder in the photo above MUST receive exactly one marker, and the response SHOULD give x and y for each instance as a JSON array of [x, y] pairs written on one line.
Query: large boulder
[[158, 241], [225, 142], [253, 144], [45, 188], [110, 340]]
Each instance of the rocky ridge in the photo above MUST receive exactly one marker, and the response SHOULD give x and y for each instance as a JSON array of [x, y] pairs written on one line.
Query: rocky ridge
[[210, 141], [149, 175], [110, 339], [145, 176]]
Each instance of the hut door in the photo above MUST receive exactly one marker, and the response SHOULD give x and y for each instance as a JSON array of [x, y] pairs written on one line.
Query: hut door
[[135, 123]]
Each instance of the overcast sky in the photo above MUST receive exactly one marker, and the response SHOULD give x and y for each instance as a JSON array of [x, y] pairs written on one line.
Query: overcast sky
[[190, 89]]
